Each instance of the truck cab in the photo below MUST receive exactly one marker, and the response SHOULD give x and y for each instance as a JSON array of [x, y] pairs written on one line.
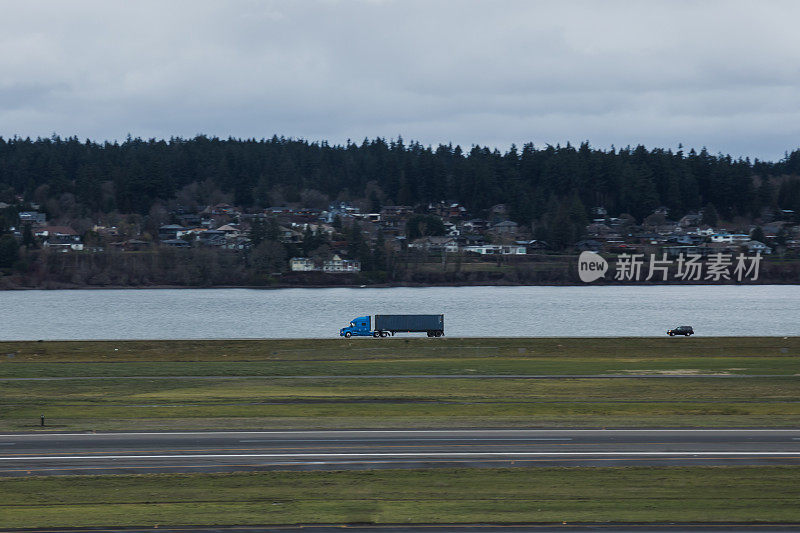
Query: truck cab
[[359, 327]]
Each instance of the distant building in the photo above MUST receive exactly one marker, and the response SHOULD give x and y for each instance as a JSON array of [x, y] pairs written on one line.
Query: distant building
[[497, 249], [170, 232], [533, 244], [471, 240], [435, 244], [61, 238], [337, 265], [730, 238], [506, 227], [223, 209], [49, 231], [32, 217], [389, 211], [230, 230], [63, 243], [289, 235], [475, 225], [302, 264], [212, 237], [692, 219]]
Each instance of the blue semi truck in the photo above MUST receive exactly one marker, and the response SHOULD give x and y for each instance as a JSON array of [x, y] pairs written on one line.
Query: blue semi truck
[[386, 325]]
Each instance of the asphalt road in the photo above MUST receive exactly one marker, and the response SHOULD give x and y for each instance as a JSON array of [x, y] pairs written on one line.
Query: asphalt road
[[117, 453], [419, 376]]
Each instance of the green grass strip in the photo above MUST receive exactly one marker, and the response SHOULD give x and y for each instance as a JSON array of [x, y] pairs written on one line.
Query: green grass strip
[[393, 348], [682, 494]]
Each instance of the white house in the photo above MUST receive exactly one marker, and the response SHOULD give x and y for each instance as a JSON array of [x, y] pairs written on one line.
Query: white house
[[497, 249], [337, 264], [302, 264], [722, 237], [61, 238]]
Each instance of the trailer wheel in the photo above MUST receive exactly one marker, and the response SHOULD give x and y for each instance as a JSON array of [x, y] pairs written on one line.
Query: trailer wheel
[[438, 333], [430, 334], [348, 335], [384, 333]]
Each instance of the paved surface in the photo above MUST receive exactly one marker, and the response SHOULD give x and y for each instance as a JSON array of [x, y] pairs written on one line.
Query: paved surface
[[442, 528], [430, 376], [116, 453]]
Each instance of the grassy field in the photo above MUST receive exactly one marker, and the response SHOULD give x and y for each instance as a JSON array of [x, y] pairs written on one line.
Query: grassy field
[[677, 494], [238, 388], [395, 348], [409, 356], [320, 403]]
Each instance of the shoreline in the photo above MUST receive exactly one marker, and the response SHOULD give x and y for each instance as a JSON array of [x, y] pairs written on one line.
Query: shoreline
[[70, 287]]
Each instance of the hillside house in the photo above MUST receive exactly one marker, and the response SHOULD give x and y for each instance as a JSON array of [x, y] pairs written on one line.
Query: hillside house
[[32, 217], [302, 264], [505, 228], [497, 249], [435, 244], [170, 232]]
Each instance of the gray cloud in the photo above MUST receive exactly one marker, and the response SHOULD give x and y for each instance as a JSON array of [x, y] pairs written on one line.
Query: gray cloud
[[721, 74]]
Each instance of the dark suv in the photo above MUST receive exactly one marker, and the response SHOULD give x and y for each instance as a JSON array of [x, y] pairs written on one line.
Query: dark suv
[[681, 330]]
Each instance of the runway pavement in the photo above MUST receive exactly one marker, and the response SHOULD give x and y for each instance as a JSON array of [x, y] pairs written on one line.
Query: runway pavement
[[116, 453], [655, 375]]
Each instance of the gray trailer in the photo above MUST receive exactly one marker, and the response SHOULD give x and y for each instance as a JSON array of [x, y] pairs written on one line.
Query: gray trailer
[[433, 325]]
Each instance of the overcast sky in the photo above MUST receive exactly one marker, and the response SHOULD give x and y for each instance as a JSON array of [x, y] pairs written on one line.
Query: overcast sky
[[725, 75]]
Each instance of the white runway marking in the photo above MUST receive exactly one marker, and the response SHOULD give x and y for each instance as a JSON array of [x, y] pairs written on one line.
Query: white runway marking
[[448, 439]]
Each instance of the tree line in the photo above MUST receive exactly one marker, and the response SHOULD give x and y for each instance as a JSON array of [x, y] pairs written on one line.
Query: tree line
[[547, 185]]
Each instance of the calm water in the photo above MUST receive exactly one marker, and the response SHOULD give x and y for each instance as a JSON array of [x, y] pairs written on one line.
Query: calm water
[[469, 311]]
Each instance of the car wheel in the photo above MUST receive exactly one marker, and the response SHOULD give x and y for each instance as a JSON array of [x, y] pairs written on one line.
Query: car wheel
[[348, 335]]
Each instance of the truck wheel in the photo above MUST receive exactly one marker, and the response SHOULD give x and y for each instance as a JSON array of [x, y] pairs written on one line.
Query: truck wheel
[[384, 333], [348, 335], [376, 334]]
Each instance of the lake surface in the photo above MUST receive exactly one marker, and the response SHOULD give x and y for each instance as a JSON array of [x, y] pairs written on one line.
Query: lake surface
[[469, 311]]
